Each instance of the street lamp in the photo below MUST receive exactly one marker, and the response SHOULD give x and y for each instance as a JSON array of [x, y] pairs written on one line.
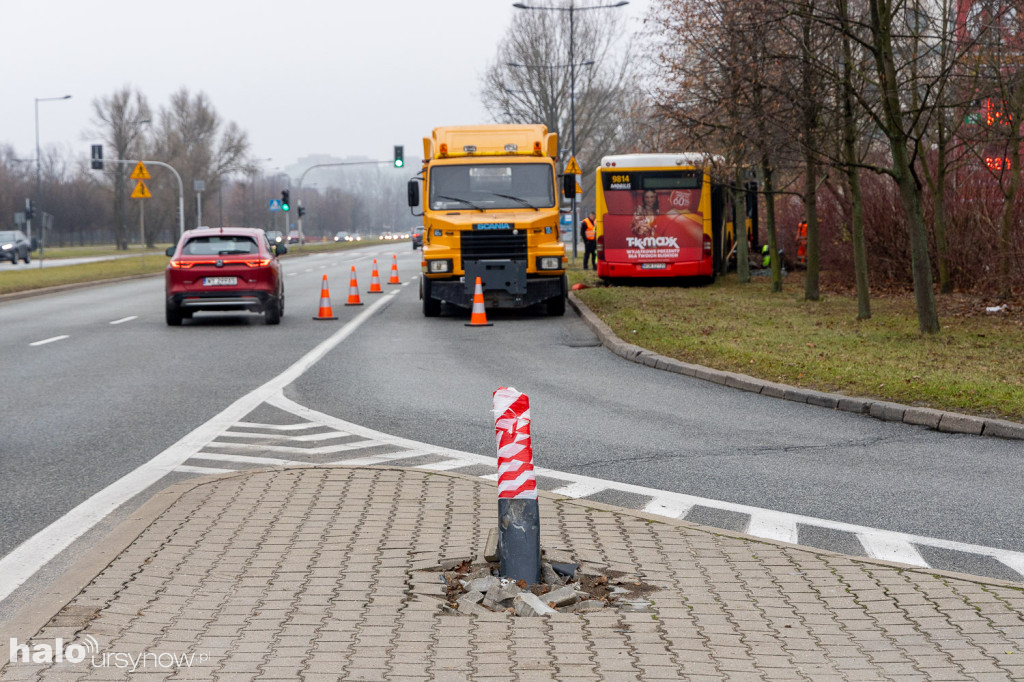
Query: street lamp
[[571, 9], [39, 177]]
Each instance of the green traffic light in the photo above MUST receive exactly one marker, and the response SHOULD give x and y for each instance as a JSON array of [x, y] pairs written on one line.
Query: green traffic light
[[399, 163], [285, 207]]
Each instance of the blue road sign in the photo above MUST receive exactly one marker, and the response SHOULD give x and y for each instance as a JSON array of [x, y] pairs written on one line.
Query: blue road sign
[[275, 205]]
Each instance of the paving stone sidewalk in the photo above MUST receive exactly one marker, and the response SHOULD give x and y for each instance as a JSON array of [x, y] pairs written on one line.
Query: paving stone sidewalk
[[321, 574]]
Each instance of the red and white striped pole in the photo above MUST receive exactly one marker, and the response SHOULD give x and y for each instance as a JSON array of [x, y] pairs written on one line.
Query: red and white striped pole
[[518, 511]]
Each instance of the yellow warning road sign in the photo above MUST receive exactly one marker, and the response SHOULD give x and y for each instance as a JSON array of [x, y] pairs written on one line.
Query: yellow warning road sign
[[579, 190], [140, 173], [141, 191], [573, 168]]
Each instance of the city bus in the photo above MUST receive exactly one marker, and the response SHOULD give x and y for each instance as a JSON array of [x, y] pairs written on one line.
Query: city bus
[[660, 215]]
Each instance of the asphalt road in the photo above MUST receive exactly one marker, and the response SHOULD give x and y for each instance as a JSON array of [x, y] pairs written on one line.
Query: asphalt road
[[97, 386]]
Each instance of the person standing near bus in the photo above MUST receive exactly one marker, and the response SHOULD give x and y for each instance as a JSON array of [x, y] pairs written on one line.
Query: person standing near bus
[[588, 230]]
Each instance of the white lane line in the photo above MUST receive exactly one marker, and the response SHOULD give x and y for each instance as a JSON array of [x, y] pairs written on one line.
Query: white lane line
[[242, 459], [323, 450], [891, 547], [278, 427], [580, 489], [670, 508], [309, 438], [50, 340], [186, 469], [27, 558], [125, 319], [773, 526], [446, 465]]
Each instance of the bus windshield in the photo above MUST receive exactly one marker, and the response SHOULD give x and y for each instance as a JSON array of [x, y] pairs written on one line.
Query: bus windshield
[[491, 186]]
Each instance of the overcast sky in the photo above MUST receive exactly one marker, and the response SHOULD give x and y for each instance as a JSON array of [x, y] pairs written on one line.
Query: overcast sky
[[301, 77]]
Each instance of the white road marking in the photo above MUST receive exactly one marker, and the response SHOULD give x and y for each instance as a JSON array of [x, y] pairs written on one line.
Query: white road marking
[[278, 427], [185, 469], [773, 526], [49, 340], [670, 508], [125, 319], [580, 489], [891, 547], [242, 459], [27, 558], [446, 465]]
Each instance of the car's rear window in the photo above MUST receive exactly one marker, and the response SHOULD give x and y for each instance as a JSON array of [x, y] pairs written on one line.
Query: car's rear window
[[219, 245]]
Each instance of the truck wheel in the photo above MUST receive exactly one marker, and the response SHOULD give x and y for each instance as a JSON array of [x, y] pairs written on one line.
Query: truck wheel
[[556, 306], [431, 306]]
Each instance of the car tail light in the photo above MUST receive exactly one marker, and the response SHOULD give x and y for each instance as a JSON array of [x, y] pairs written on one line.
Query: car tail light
[[600, 247], [259, 263], [180, 264]]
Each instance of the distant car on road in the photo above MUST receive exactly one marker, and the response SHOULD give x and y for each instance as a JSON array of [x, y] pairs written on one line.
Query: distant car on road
[[386, 236], [14, 245], [275, 237], [295, 238], [417, 238], [226, 268], [342, 237]]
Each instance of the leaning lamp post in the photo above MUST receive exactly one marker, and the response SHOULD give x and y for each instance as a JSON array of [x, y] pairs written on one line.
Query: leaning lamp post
[[39, 176], [571, 9]]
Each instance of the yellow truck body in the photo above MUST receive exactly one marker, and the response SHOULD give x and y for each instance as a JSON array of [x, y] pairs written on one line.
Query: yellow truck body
[[490, 206]]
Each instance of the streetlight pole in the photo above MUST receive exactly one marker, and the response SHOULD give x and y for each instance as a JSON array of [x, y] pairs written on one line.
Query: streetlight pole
[[571, 9], [39, 176]]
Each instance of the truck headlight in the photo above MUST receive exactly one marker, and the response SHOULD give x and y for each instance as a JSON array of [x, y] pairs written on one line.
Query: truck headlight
[[444, 265], [549, 263]]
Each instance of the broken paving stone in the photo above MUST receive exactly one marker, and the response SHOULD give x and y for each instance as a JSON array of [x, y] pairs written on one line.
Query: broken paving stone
[[618, 592], [472, 597], [563, 596], [635, 607], [471, 609], [528, 605], [479, 573], [565, 570], [558, 556], [483, 585], [453, 563], [548, 575], [491, 549], [588, 606], [503, 591]]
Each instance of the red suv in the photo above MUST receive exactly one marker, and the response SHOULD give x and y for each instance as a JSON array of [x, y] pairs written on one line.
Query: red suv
[[227, 268]]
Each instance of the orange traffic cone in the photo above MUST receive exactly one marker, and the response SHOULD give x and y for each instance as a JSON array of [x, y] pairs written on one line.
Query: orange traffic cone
[[479, 316], [394, 270], [375, 280], [353, 290], [325, 312]]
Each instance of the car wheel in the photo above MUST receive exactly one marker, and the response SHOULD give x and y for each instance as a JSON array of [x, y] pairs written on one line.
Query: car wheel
[[431, 306], [272, 314], [27, 259], [14, 258], [174, 316]]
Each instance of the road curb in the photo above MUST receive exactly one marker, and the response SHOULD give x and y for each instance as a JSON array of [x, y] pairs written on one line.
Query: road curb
[[937, 420]]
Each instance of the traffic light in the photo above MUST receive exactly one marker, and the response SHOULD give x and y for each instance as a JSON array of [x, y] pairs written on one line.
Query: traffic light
[[399, 162], [30, 209], [97, 157], [302, 211], [285, 205]]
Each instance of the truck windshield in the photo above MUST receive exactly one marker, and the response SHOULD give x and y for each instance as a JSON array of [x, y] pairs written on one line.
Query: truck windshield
[[491, 186]]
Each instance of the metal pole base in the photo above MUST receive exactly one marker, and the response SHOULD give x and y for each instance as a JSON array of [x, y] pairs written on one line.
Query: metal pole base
[[519, 539]]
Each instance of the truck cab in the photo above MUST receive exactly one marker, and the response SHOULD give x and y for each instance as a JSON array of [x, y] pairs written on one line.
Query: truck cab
[[490, 210]]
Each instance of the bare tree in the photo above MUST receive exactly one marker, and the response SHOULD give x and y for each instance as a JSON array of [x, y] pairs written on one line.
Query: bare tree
[[529, 81], [119, 119]]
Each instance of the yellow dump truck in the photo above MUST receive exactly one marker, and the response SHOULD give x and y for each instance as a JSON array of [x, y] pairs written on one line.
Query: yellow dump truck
[[490, 210]]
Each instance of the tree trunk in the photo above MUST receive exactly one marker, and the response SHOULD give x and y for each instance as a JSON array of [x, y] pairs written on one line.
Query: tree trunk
[[769, 223], [860, 259], [739, 207], [910, 193], [811, 285]]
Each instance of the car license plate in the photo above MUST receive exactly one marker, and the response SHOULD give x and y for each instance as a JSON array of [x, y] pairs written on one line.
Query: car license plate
[[220, 281], [653, 266]]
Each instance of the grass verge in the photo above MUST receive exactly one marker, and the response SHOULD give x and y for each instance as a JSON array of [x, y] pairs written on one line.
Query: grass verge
[[974, 365]]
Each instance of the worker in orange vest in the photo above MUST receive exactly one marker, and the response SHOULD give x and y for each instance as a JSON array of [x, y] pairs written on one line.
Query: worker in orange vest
[[588, 230]]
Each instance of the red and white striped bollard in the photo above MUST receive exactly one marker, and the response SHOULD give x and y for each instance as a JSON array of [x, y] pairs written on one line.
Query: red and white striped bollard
[[518, 510]]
